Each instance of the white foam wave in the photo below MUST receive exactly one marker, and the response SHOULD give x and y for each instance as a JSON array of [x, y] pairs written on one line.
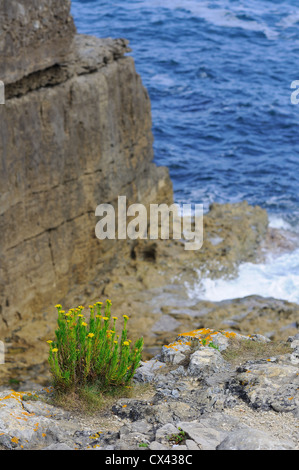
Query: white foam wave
[[279, 223], [223, 17], [289, 225], [163, 80], [277, 278], [289, 20]]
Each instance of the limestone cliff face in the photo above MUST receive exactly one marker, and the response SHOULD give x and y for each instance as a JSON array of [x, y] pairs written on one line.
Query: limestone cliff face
[[75, 132], [34, 34]]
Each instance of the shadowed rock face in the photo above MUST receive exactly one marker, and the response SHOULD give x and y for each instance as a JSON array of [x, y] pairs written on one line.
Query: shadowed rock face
[[34, 35]]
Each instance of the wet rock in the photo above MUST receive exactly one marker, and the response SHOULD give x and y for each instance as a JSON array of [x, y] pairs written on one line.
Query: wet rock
[[242, 229]]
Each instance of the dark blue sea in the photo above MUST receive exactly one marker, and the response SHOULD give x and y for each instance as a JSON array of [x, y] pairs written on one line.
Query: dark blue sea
[[219, 76]]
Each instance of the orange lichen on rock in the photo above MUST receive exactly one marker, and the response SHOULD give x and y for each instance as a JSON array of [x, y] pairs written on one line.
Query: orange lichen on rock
[[27, 414], [207, 333], [198, 333], [174, 345], [229, 334], [203, 335], [15, 395]]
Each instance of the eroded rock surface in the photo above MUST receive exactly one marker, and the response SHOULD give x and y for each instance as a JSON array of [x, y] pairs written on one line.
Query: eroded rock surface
[[34, 35], [207, 404]]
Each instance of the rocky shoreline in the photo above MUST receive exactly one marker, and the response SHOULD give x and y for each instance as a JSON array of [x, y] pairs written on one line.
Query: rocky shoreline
[[147, 281], [198, 398]]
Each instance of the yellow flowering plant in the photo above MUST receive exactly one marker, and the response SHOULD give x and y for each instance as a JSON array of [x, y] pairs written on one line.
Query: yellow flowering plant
[[88, 351]]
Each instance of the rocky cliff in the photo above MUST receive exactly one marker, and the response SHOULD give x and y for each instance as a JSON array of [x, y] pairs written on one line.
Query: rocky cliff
[[75, 133]]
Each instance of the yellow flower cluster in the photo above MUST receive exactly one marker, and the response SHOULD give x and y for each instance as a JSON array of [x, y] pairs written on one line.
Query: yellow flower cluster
[[85, 344]]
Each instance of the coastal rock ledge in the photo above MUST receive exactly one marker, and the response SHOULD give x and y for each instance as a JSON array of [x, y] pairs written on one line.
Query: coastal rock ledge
[[208, 390]]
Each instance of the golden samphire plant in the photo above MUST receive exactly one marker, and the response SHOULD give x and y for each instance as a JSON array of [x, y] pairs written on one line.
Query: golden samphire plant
[[88, 351]]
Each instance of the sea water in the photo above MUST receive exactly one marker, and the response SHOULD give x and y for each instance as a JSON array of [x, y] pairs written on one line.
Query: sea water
[[219, 76]]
